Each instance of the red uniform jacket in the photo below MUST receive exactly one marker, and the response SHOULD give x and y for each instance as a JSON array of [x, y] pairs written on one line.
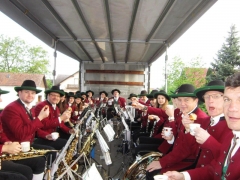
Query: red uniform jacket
[[3, 137], [121, 102], [214, 170], [210, 148], [185, 148], [51, 122], [17, 123]]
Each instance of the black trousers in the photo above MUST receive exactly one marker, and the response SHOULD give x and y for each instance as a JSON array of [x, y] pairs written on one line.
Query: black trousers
[[7, 175], [144, 149], [150, 175], [53, 154], [57, 144], [26, 167], [150, 140]]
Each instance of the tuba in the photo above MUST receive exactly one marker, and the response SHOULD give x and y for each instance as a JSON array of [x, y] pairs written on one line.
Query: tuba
[[137, 171]]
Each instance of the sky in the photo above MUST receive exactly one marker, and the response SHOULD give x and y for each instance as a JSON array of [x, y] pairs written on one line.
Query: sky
[[203, 39]]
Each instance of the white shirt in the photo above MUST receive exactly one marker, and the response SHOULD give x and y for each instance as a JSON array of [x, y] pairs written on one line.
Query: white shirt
[[216, 119]]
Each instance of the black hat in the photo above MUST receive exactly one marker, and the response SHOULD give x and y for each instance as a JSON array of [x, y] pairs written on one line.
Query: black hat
[[28, 85], [90, 91], [78, 92], [116, 90], [56, 90], [78, 95], [143, 93], [163, 93], [216, 85], [83, 93], [151, 95], [185, 90], [132, 95], [3, 91], [106, 94], [70, 94]]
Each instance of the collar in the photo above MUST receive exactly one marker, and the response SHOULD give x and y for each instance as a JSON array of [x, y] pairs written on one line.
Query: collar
[[191, 111], [53, 105], [216, 119], [28, 106], [237, 133]]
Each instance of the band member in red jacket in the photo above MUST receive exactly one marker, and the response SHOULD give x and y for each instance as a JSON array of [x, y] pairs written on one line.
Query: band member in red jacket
[[19, 125], [53, 121], [224, 166], [143, 98]]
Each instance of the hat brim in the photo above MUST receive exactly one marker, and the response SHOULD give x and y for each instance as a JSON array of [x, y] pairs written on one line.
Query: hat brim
[[142, 94], [90, 91], [55, 91], [163, 94], [183, 95], [201, 91], [3, 92], [19, 88], [116, 90]]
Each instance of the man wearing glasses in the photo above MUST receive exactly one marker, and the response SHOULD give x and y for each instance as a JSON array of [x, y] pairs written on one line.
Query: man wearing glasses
[[53, 121]]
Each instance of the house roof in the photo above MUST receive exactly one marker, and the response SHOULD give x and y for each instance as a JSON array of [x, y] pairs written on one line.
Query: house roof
[[107, 31], [16, 79], [60, 78]]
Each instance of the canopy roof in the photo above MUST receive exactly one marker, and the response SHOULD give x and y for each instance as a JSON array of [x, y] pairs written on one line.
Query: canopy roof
[[113, 31]]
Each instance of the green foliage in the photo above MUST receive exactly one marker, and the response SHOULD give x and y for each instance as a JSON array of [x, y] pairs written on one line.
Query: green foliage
[[228, 58], [17, 56], [49, 83], [181, 73]]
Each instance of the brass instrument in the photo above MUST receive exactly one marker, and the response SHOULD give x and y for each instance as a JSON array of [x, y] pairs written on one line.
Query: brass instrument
[[89, 142], [68, 157], [25, 155], [137, 171]]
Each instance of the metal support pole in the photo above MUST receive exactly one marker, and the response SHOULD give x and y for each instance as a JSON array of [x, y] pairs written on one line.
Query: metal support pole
[[55, 59], [149, 77], [166, 58], [80, 76]]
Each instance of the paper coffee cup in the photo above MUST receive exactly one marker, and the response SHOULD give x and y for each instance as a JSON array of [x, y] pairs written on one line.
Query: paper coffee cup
[[167, 131], [55, 135], [25, 146], [75, 113], [160, 177], [193, 127]]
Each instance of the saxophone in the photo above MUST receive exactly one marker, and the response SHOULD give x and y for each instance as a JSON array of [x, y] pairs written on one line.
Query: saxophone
[[137, 171], [89, 142], [68, 157], [25, 155]]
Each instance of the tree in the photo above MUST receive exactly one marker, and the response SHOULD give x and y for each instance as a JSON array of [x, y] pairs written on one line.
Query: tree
[[17, 56], [185, 73], [228, 58]]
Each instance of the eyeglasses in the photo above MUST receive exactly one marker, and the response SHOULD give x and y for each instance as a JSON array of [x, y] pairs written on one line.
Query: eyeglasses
[[214, 96], [55, 95]]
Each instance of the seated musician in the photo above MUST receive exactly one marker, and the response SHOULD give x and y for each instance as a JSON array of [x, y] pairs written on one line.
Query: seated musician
[[151, 141], [62, 104], [90, 100], [188, 103], [143, 98], [20, 125], [79, 107], [222, 149], [53, 121]]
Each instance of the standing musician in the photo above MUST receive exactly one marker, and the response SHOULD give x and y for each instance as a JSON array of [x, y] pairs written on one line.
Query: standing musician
[[53, 121], [19, 125], [225, 164]]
